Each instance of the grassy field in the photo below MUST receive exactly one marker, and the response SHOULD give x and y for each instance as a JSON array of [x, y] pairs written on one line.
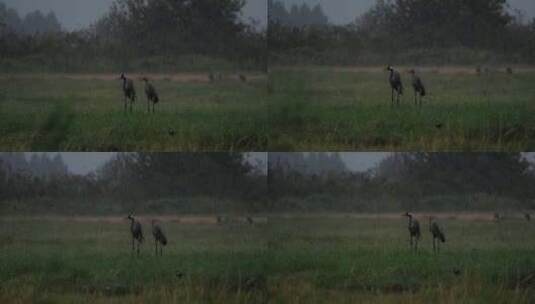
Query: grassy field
[[89, 261], [56, 112], [315, 259], [327, 109]]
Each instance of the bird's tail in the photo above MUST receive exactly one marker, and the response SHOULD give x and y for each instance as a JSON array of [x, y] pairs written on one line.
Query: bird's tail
[[156, 98], [401, 88], [423, 93], [442, 238]]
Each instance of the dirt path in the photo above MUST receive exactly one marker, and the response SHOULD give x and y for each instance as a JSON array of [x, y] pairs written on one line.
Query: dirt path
[[188, 220], [212, 219], [444, 70], [180, 77]]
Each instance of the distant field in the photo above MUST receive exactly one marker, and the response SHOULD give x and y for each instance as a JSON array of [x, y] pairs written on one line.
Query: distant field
[[290, 259], [326, 109], [84, 112]]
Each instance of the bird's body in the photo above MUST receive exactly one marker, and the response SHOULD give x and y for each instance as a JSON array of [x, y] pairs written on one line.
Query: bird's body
[[414, 232], [159, 237], [396, 84], [419, 88], [438, 235], [152, 95], [129, 92], [137, 232], [243, 78]]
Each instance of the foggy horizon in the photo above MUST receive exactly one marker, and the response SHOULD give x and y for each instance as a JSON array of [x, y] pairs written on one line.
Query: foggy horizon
[[342, 12], [78, 14], [83, 163], [86, 162]]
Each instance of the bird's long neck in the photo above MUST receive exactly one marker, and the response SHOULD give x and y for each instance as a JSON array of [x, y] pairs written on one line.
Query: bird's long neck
[[124, 86], [410, 220], [132, 221]]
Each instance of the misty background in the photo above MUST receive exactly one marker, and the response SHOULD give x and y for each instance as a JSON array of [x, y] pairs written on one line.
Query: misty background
[[408, 32], [86, 162], [345, 11], [245, 183], [132, 36], [77, 14]]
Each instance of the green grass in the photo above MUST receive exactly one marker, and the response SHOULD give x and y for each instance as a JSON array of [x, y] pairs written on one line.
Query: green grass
[[316, 259], [42, 261], [326, 109], [55, 113]]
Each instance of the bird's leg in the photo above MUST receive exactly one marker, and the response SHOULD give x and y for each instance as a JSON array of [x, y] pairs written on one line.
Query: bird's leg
[[415, 98], [125, 105], [392, 99], [138, 248], [433, 244], [156, 247], [133, 248]]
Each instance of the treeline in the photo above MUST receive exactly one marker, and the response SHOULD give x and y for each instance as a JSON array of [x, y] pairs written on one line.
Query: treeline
[[410, 32], [39, 164], [297, 15], [144, 35], [33, 23], [409, 181], [140, 182]]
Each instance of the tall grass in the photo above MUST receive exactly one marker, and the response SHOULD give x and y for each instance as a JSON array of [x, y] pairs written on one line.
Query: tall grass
[[314, 259], [42, 113], [334, 109]]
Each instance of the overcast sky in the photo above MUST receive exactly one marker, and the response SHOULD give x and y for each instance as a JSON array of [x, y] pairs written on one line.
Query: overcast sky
[[86, 162], [75, 14]]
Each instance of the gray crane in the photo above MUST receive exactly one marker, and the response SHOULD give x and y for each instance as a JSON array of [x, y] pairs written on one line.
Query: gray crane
[[129, 92], [395, 83], [159, 237], [243, 78], [527, 216], [152, 95], [419, 88], [437, 233], [414, 231], [137, 232], [497, 217]]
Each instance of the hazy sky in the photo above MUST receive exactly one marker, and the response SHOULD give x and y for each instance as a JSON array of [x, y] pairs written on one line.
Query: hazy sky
[[74, 14], [362, 161], [86, 162], [345, 11]]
